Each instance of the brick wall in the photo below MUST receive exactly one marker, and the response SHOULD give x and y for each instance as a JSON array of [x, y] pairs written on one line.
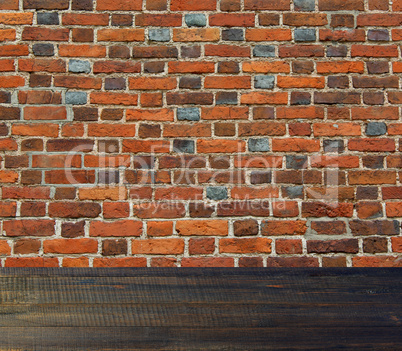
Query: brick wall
[[200, 133]]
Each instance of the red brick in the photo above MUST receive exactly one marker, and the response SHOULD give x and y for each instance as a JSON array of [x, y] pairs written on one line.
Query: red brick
[[75, 262], [288, 246], [117, 228], [159, 210], [158, 246], [207, 262], [70, 246], [74, 210], [192, 5], [292, 262], [120, 262], [214, 227], [276, 5], [201, 246], [31, 262], [119, 5], [377, 261], [28, 227]]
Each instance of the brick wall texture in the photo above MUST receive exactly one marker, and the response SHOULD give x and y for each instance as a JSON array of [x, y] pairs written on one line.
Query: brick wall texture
[[245, 133]]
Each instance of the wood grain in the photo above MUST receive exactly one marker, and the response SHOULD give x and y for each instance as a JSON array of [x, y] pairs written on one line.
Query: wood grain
[[200, 309]]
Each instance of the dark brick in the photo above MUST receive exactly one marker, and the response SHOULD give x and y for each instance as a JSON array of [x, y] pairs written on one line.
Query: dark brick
[[268, 19], [251, 262], [260, 177], [220, 162], [201, 210], [83, 35], [366, 193], [154, 67], [190, 83], [115, 83], [119, 51], [5, 97], [346, 246], [27, 246], [3, 129], [377, 67], [263, 113], [334, 146], [149, 131], [111, 114], [226, 98], [72, 230], [108, 146], [300, 98], [85, 114], [370, 98], [228, 67], [373, 162], [113, 247], [190, 51], [303, 67], [32, 145], [375, 245], [40, 80], [122, 20], [339, 82], [378, 35], [245, 227], [337, 51], [48, 18], [342, 20], [233, 34], [82, 5]]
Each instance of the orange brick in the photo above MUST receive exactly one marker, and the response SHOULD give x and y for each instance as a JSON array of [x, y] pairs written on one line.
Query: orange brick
[[158, 246], [243, 245]]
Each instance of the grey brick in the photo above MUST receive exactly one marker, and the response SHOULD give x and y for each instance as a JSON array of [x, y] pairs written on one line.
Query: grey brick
[[188, 114], [76, 98], [79, 66], [258, 145], [195, 20], [264, 51], [293, 192], [226, 98], [233, 34], [296, 162], [376, 128], [48, 18], [260, 177], [186, 146], [115, 83], [217, 193], [159, 34], [43, 49], [305, 34], [334, 146], [108, 177], [304, 5], [337, 51], [264, 82], [190, 83], [378, 35]]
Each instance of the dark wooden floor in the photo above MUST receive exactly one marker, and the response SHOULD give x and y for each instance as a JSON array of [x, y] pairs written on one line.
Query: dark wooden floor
[[200, 309]]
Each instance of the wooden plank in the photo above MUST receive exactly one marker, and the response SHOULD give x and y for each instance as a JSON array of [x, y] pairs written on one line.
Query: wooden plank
[[198, 309], [164, 338]]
